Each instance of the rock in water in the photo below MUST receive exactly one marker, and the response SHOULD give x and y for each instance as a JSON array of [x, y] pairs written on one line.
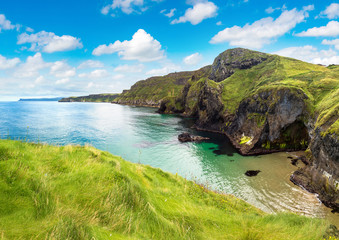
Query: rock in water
[[252, 173], [186, 137]]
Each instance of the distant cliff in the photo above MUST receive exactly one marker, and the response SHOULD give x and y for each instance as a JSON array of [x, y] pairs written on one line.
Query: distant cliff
[[92, 98], [40, 99], [264, 103]]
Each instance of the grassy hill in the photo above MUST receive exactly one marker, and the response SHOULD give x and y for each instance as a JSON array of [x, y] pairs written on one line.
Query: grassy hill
[[73, 192], [105, 97], [152, 91]]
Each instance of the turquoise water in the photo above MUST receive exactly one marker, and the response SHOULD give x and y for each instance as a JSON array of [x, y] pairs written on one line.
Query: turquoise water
[[140, 135]]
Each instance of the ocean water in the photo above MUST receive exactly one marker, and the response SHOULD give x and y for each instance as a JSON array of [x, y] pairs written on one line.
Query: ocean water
[[140, 135]]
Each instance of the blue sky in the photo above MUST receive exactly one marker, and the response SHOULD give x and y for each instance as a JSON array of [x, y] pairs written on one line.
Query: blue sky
[[70, 48]]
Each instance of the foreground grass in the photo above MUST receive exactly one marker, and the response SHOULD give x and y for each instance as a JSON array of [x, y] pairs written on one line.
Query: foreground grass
[[74, 192]]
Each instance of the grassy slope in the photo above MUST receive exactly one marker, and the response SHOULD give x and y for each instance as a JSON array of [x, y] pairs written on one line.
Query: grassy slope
[[321, 85], [158, 88], [105, 97], [72, 192]]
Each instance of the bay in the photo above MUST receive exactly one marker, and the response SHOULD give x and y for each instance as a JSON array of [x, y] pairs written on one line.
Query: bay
[[140, 135]]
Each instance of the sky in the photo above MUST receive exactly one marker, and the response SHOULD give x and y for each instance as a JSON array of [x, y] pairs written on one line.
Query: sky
[[61, 48]]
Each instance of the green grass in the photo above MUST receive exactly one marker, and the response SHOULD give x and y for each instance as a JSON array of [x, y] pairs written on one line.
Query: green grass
[[105, 97], [162, 87], [318, 83], [73, 192]]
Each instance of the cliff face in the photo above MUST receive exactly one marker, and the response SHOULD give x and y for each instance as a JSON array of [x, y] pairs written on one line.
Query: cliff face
[[229, 61], [264, 103], [322, 175], [270, 120]]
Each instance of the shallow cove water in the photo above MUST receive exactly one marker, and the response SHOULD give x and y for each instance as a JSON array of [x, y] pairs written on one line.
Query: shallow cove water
[[139, 134]]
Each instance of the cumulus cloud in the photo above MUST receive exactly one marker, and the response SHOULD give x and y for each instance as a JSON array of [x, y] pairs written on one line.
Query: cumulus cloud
[[193, 59], [62, 81], [96, 74], [331, 12], [91, 64], [199, 12], [127, 6], [39, 80], [31, 67], [263, 31], [142, 47], [330, 30], [5, 24], [62, 70], [166, 69], [170, 13], [334, 43], [49, 42], [271, 10], [6, 63], [130, 68], [28, 29], [310, 54]]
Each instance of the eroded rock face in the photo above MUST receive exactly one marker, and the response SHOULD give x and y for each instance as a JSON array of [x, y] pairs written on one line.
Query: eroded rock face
[[322, 175], [238, 58], [270, 120]]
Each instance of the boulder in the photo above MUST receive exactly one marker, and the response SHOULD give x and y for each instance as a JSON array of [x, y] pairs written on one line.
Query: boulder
[[186, 137]]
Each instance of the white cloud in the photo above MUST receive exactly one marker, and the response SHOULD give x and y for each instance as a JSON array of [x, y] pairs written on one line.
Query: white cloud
[[127, 6], [6, 63], [330, 30], [62, 70], [130, 68], [168, 68], [91, 64], [28, 29], [143, 47], [118, 76], [331, 12], [105, 10], [39, 80], [192, 59], [219, 23], [49, 42], [170, 13], [90, 85], [199, 12], [311, 54], [271, 10], [98, 73], [261, 32], [62, 81], [5, 24], [31, 67], [334, 42]]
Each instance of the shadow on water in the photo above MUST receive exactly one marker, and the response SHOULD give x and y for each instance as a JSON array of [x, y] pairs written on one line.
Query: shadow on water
[[224, 146]]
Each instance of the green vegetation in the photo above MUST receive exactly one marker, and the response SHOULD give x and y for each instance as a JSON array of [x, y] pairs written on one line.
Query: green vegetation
[[258, 118], [245, 140], [105, 97], [73, 192], [318, 83], [155, 89]]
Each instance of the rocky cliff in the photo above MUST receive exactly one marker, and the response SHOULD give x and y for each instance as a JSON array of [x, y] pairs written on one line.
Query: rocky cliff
[[263, 103]]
